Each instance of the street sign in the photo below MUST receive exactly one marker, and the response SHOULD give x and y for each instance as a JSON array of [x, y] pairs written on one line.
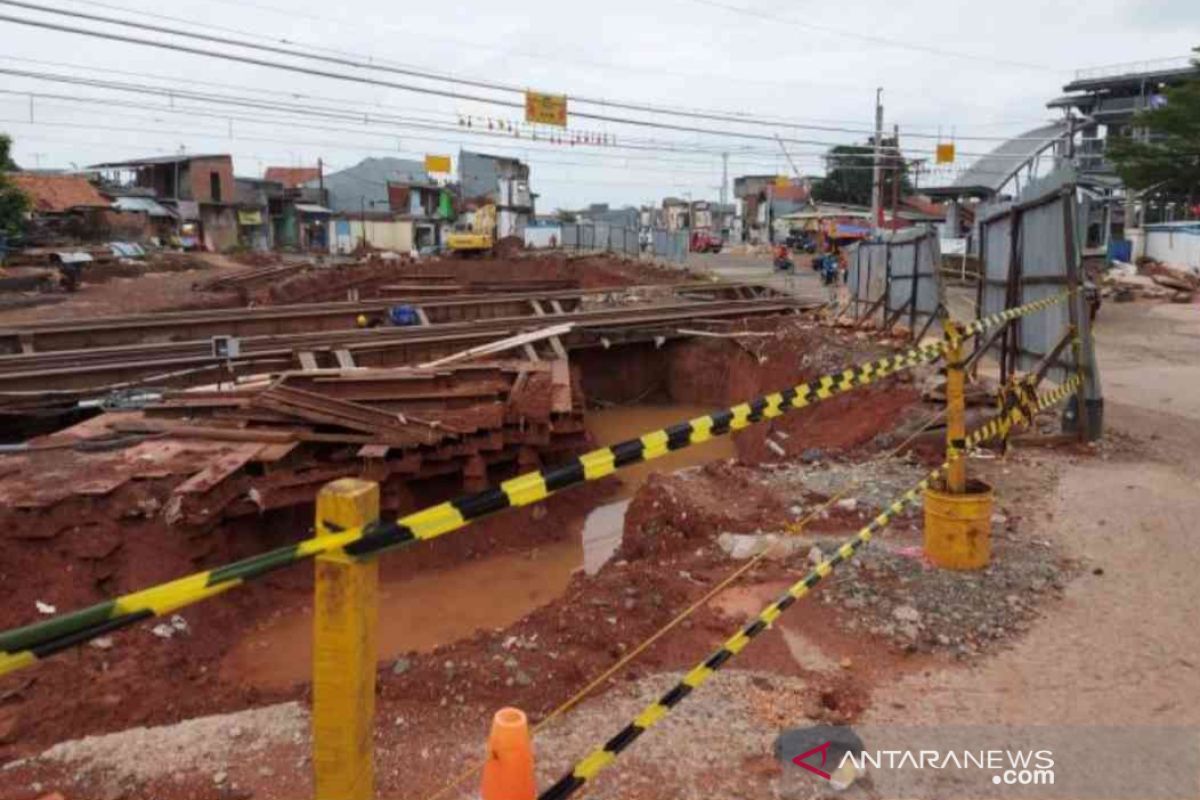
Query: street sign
[[546, 109], [437, 163], [945, 153]]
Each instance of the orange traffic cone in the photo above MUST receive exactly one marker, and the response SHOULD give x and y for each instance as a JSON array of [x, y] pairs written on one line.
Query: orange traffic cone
[[508, 774]]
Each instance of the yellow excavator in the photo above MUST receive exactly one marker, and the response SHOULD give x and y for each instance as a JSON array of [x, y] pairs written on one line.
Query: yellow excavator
[[478, 236]]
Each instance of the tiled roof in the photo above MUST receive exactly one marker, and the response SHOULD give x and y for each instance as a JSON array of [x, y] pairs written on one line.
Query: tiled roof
[[59, 193], [292, 177]]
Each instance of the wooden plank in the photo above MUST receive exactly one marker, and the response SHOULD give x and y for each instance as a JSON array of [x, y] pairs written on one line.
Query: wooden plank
[[344, 359], [308, 362]]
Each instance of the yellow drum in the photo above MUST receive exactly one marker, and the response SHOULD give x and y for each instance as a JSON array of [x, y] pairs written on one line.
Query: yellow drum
[[958, 527]]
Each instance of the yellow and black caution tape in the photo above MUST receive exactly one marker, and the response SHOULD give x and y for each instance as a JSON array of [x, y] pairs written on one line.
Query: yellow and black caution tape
[[1008, 315], [603, 756], [21, 647]]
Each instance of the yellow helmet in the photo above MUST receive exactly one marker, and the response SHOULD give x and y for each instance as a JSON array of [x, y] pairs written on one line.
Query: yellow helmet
[[361, 320]]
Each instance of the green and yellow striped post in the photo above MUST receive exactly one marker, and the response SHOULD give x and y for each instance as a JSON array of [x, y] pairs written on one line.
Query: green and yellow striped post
[[345, 616]]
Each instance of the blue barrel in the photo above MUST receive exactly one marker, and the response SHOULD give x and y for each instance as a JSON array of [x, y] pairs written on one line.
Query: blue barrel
[[1120, 250]]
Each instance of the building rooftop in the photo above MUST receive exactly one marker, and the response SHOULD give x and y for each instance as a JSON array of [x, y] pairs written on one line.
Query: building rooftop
[[55, 194], [182, 158], [1133, 73], [292, 177]]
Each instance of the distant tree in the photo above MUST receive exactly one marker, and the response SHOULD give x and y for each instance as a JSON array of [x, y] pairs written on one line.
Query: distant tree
[[848, 171], [566, 217], [13, 202], [1163, 154]]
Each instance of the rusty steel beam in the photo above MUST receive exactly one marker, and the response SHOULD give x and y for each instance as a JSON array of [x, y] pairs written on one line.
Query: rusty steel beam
[[185, 326], [34, 377]]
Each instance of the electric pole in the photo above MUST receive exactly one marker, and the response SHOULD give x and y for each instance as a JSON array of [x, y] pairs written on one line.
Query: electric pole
[[897, 163], [877, 172], [724, 178]]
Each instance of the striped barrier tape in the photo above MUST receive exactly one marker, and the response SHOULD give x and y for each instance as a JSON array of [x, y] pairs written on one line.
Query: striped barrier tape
[[1009, 314], [603, 756], [21, 647]]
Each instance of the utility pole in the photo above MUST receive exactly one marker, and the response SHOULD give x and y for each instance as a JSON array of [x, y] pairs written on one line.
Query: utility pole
[[724, 176], [321, 180], [877, 172], [897, 164]]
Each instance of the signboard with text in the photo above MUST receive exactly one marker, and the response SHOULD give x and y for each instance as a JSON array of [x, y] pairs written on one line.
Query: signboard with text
[[546, 109]]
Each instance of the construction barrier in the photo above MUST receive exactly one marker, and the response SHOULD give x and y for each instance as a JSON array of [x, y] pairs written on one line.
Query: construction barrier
[[349, 537], [604, 755], [21, 647]]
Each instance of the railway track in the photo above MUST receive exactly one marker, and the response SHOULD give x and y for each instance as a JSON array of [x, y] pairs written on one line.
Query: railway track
[[31, 379], [181, 326]]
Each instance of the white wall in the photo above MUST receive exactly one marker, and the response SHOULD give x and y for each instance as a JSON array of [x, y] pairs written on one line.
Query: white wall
[[539, 236], [1176, 244]]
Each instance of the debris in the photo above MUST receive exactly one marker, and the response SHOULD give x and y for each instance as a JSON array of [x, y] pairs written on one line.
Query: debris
[[101, 643], [45, 608], [847, 504], [906, 613]]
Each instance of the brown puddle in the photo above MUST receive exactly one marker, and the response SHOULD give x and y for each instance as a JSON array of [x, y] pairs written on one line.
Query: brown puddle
[[421, 612], [416, 613], [612, 425]]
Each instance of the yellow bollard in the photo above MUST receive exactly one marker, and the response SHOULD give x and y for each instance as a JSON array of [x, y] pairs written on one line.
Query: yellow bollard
[[956, 409], [958, 519], [508, 773], [345, 613]]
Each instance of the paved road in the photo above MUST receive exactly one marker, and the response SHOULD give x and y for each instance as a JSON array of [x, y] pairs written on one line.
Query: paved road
[[742, 267]]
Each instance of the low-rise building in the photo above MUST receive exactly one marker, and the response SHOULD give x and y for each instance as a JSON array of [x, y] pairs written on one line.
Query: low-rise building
[[200, 189], [502, 181], [63, 206]]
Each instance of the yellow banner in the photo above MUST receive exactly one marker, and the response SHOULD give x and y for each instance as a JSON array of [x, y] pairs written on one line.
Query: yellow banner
[[546, 109], [437, 163], [945, 153]]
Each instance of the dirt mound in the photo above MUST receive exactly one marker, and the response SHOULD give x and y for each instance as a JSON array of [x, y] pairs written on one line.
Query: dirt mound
[[509, 247], [674, 512], [256, 258], [839, 424]]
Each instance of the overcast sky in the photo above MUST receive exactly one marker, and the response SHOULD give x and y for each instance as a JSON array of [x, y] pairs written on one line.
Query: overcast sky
[[974, 69]]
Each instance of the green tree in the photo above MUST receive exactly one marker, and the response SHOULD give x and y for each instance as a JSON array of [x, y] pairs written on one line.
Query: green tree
[[848, 171], [1163, 154], [13, 202]]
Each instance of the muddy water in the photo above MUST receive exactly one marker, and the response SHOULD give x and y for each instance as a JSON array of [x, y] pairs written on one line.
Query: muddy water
[[612, 425], [420, 612], [416, 613]]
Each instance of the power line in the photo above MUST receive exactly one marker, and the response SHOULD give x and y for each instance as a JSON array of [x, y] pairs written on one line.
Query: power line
[[453, 94], [358, 22], [744, 118], [875, 39]]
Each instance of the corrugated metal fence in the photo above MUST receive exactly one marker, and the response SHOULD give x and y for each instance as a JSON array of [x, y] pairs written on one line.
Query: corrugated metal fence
[[1030, 251], [896, 278], [600, 236], [669, 245]]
